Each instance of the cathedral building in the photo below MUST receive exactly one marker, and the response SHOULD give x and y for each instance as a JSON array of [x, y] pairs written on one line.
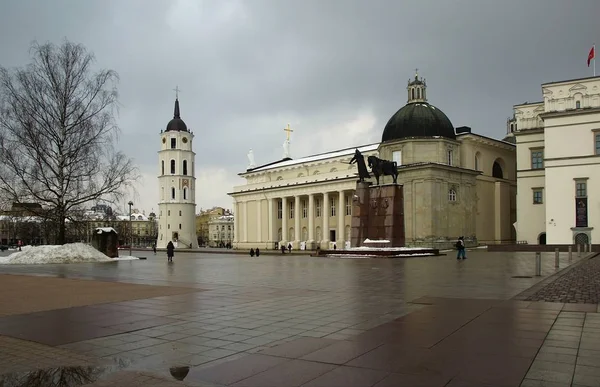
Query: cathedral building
[[177, 185], [455, 183]]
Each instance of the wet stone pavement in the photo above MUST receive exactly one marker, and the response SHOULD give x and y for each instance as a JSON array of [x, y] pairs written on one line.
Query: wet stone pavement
[[303, 321]]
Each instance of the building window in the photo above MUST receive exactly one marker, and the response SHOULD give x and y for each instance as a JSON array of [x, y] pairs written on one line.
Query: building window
[[179, 213], [173, 143], [168, 226], [332, 204], [291, 210], [577, 105], [580, 189], [538, 196], [318, 208], [184, 195], [279, 209], [537, 159], [450, 154], [304, 209], [162, 166], [172, 193], [348, 206], [452, 195], [397, 157], [185, 167], [180, 226], [172, 167], [597, 142]]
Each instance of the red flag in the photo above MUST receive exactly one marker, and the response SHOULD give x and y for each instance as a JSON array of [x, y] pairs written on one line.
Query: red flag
[[591, 55]]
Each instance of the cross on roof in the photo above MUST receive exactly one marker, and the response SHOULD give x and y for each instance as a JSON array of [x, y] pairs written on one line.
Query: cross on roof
[[176, 89], [288, 130]]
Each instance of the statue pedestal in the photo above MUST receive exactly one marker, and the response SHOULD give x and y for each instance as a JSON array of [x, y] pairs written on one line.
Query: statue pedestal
[[378, 214]]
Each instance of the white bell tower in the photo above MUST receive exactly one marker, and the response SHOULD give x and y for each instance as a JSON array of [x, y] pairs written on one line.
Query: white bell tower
[[177, 185]]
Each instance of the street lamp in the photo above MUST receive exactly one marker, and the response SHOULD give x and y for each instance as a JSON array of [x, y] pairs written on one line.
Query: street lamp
[[130, 228]]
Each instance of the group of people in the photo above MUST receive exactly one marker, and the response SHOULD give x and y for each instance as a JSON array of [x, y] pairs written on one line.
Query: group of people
[[460, 247]]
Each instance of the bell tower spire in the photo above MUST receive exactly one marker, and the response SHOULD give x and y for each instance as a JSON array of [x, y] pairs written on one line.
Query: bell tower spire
[[417, 89], [176, 113]]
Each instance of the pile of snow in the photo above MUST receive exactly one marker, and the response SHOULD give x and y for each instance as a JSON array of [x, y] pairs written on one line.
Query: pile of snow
[[367, 248], [68, 253], [350, 256], [376, 241]]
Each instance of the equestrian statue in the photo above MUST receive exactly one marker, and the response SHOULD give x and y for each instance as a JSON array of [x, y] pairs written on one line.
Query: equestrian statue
[[359, 159], [381, 167]]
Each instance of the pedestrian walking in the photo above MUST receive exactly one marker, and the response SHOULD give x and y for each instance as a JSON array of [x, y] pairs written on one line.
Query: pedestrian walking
[[170, 251], [460, 246]]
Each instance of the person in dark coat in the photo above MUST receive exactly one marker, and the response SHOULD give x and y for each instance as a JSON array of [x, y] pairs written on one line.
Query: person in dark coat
[[252, 252], [170, 251], [257, 252]]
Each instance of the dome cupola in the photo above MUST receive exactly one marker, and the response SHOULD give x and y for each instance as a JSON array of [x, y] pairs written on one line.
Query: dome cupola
[[418, 118], [176, 124]]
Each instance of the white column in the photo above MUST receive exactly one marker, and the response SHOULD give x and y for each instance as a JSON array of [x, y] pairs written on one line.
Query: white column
[[259, 221], [326, 213], [245, 221], [270, 230], [284, 218], [297, 220], [311, 218], [341, 217], [236, 223]]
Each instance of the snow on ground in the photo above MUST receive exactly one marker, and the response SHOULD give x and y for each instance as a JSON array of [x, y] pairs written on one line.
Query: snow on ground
[[367, 248], [68, 253], [380, 256]]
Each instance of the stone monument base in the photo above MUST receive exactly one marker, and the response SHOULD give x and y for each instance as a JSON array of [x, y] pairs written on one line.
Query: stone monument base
[[378, 214]]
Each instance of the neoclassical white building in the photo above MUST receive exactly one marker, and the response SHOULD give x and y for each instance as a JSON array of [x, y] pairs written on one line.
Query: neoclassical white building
[[455, 183], [220, 231], [558, 164], [177, 185]]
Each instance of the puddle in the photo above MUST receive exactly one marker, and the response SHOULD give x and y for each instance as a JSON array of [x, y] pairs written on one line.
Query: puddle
[[74, 376], [64, 376]]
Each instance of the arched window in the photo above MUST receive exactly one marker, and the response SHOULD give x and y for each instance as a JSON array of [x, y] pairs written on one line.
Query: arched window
[[184, 194], [497, 171], [172, 193], [413, 93], [577, 105], [451, 195], [172, 167], [162, 166], [185, 167]]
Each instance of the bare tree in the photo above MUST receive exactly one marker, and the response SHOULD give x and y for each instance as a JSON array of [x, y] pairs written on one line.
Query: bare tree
[[57, 133]]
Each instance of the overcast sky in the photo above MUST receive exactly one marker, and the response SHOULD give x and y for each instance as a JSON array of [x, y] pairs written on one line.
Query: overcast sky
[[336, 70]]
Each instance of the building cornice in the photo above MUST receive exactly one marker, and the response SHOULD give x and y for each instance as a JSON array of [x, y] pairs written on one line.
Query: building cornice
[[528, 131], [570, 112], [568, 81], [487, 141]]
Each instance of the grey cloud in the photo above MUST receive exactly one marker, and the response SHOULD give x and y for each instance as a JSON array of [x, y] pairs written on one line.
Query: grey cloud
[[246, 68]]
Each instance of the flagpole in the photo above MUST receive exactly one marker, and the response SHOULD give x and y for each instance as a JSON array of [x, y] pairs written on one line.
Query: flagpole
[[594, 59]]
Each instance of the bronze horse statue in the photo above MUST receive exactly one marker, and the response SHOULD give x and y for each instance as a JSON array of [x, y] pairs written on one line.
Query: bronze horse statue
[[381, 167]]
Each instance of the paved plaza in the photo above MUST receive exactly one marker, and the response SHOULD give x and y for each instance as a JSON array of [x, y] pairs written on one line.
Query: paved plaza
[[296, 320]]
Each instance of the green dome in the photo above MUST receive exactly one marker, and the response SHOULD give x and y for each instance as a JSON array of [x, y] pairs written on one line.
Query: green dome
[[418, 119]]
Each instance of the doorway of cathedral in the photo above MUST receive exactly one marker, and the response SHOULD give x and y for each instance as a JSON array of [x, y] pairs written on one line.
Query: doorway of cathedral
[[175, 236], [542, 239], [332, 235]]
